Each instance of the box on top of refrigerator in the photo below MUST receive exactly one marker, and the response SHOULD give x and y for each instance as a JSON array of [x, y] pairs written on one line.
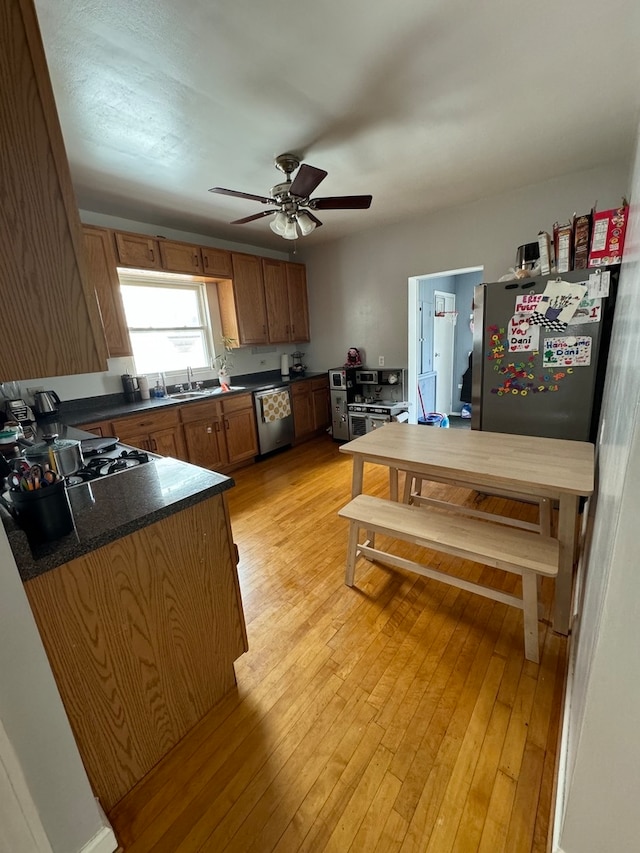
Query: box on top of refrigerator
[[607, 236]]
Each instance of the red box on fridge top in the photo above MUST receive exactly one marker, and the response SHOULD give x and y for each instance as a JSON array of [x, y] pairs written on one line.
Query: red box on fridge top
[[607, 236]]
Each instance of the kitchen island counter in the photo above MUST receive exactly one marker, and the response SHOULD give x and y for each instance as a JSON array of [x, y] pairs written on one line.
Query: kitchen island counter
[[110, 508]]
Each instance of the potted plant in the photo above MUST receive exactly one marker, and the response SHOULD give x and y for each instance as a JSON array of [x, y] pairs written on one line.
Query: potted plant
[[222, 363]]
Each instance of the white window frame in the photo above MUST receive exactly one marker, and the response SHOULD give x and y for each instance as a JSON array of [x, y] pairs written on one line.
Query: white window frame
[[157, 280]]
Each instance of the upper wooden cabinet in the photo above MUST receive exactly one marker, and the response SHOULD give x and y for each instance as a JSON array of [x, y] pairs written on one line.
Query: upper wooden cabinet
[[216, 262], [156, 253], [137, 250], [242, 305], [42, 255], [298, 304], [285, 290], [180, 257], [103, 276]]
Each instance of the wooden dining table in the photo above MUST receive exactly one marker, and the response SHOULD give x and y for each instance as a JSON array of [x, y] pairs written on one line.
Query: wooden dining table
[[554, 471]]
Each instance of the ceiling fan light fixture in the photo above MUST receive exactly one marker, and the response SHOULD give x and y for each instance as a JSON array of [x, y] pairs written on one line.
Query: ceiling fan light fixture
[[290, 230], [279, 223], [305, 223]]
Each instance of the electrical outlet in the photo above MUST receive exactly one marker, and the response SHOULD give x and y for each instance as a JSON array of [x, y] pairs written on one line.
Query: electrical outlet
[[380, 361]]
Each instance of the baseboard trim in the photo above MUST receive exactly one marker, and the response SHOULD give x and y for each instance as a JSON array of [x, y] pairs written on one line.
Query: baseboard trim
[[104, 841]]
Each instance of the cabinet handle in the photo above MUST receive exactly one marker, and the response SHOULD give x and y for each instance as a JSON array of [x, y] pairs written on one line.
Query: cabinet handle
[[154, 444], [216, 426], [205, 258], [151, 255], [196, 262], [226, 424]]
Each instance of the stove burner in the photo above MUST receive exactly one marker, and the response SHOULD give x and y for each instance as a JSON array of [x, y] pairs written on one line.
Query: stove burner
[[102, 466]]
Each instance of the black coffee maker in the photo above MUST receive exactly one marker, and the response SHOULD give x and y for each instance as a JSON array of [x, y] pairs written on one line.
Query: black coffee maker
[[130, 388]]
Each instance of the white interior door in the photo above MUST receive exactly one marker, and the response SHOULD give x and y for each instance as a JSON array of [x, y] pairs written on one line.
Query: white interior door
[[443, 338]]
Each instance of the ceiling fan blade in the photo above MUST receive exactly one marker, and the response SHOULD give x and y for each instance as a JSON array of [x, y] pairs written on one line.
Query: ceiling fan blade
[[341, 202], [307, 179], [255, 216], [311, 216], [238, 194]]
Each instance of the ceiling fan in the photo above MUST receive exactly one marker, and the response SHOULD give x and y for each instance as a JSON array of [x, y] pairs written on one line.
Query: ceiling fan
[[290, 200]]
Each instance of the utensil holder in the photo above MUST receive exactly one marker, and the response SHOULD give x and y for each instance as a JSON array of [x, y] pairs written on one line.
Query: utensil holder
[[44, 514]]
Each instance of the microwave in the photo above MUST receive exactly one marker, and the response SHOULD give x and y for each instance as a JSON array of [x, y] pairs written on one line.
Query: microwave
[[368, 377]]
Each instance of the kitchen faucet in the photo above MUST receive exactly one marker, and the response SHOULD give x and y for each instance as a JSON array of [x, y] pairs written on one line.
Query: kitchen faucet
[[189, 385]]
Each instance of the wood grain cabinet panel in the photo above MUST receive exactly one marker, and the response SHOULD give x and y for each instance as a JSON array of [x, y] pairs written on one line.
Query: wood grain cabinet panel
[[285, 289], [242, 304], [101, 428], [302, 405], [310, 403], [141, 635], [158, 432], [42, 254], [276, 301], [296, 275], [220, 434], [137, 250], [216, 262], [103, 276], [180, 257]]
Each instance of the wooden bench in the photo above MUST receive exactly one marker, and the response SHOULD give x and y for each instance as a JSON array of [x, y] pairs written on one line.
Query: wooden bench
[[522, 552], [413, 495]]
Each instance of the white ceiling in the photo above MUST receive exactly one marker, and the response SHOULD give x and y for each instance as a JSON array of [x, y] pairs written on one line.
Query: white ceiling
[[422, 103]]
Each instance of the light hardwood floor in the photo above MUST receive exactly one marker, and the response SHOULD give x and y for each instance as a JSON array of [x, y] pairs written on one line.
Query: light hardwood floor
[[399, 715]]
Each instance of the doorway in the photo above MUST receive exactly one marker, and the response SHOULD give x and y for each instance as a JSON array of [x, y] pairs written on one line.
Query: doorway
[[444, 318], [421, 376]]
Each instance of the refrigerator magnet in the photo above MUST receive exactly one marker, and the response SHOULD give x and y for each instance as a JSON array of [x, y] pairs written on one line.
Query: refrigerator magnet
[[588, 311]]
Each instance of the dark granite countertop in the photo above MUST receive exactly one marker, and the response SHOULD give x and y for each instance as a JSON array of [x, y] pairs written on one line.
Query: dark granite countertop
[[112, 507], [109, 508], [110, 406]]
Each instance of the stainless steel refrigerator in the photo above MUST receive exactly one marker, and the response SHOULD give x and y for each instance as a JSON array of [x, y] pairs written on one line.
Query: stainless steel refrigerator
[[547, 382]]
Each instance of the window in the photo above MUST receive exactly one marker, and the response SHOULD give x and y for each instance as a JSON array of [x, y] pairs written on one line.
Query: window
[[168, 322]]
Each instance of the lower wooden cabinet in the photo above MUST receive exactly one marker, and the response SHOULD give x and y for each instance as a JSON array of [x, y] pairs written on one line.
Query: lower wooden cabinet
[[310, 402], [141, 635], [220, 434], [158, 432]]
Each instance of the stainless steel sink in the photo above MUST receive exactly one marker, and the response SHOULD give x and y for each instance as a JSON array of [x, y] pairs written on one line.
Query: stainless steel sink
[[189, 395], [206, 392]]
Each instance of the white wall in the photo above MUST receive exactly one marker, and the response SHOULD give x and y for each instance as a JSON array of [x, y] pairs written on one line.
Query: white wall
[[36, 725], [358, 285], [603, 759]]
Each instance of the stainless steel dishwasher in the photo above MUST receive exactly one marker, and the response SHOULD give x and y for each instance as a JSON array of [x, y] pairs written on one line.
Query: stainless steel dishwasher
[[274, 417]]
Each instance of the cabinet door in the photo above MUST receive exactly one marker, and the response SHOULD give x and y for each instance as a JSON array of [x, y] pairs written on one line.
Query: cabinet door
[[216, 262], [298, 305], [168, 442], [240, 435], [43, 263], [135, 439], [180, 257], [103, 277], [247, 294], [320, 397], [101, 428], [301, 403], [276, 300], [137, 250], [205, 444]]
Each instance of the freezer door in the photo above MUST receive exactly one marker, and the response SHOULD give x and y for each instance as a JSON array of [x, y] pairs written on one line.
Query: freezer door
[[519, 391]]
